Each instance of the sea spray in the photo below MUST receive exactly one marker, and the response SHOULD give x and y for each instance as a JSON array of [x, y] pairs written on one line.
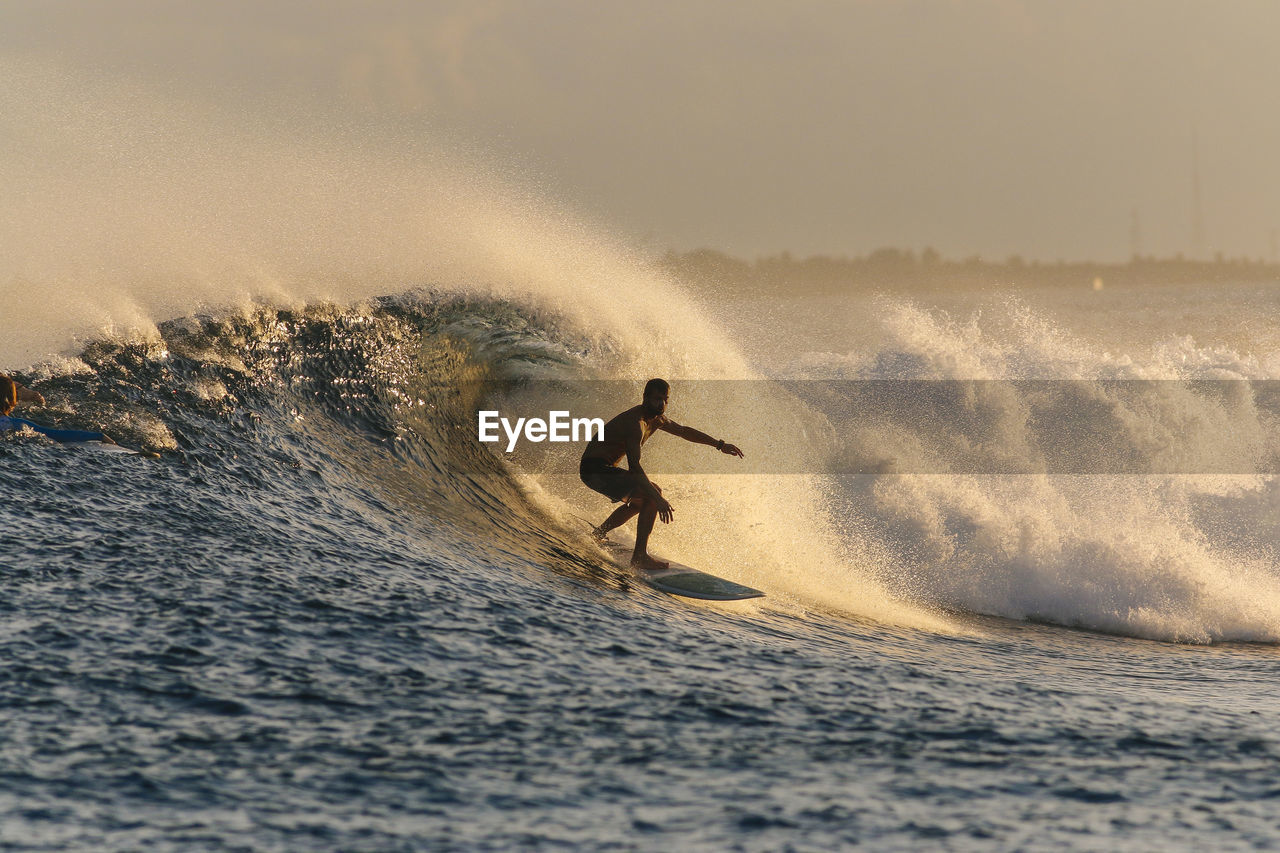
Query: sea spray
[[1159, 522], [132, 208]]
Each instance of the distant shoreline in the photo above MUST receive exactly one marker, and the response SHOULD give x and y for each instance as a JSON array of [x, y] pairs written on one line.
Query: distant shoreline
[[904, 268]]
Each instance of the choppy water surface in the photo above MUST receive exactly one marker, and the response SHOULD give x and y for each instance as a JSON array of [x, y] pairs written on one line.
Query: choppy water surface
[[326, 619]]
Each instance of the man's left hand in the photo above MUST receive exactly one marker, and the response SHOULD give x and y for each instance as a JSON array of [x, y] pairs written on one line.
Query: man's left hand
[[732, 450]]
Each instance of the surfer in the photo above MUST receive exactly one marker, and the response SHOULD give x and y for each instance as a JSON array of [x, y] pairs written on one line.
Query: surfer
[[623, 436], [12, 393]]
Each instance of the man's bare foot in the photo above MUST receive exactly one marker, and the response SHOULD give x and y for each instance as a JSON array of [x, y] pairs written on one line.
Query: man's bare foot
[[648, 564], [599, 534]]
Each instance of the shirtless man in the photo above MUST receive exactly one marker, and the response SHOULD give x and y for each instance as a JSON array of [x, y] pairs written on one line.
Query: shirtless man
[[13, 393], [623, 436]]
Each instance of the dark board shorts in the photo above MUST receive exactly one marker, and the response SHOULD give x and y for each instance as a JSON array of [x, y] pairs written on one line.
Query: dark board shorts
[[614, 483]]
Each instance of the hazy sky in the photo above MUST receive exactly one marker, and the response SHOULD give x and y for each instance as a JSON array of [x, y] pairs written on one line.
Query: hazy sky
[[975, 126]]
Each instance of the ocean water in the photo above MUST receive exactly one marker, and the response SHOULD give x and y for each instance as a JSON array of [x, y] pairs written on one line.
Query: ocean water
[[327, 618]]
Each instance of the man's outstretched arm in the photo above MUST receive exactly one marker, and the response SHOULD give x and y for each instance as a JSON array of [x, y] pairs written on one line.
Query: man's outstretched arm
[[699, 437]]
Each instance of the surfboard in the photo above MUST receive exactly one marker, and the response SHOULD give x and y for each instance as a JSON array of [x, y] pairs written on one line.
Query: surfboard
[[102, 447], [679, 579]]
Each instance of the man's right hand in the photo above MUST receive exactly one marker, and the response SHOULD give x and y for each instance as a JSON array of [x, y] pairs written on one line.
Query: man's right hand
[[665, 510]]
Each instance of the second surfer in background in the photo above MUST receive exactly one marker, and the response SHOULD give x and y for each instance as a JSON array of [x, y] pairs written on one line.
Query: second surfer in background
[[13, 394], [623, 436]]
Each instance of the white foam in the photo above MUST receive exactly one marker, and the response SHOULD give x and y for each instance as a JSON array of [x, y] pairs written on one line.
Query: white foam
[[126, 208], [1178, 557]]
